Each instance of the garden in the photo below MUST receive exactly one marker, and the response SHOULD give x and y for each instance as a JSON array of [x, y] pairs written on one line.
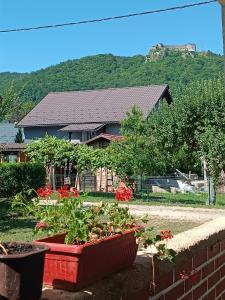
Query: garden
[[70, 227]]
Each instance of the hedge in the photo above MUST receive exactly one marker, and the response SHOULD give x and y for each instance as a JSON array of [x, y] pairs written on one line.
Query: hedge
[[17, 177], [101, 194]]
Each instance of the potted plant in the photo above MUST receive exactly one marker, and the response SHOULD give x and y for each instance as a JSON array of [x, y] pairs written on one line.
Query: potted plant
[[85, 243], [21, 270]]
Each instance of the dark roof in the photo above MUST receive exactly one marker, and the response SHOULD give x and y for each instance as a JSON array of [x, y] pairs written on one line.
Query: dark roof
[[12, 146], [82, 127], [94, 106], [106, 136], [7, 132]]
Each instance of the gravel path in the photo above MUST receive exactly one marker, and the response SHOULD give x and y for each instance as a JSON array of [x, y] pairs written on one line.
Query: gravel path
[[178, 212], [175, 212]]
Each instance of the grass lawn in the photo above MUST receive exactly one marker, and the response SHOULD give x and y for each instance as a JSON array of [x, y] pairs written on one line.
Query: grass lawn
[[189, 199], [14, 228]]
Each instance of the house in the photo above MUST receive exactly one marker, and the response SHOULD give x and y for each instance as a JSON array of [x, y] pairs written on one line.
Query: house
[[8, 132], [12, 152], [9, 150], [103, 139], [80, 116]]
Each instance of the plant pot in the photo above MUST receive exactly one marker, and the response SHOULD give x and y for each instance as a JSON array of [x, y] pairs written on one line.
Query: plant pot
[[21, 275], [72, 267]]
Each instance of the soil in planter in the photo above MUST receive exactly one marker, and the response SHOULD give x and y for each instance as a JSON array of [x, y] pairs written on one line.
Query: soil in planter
[[16, 248]]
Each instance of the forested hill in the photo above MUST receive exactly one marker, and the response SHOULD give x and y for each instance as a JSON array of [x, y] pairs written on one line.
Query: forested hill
[[103, 71]]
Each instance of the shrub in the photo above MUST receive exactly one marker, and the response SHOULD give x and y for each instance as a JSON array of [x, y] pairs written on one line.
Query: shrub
[[18, 177], [101, 194]]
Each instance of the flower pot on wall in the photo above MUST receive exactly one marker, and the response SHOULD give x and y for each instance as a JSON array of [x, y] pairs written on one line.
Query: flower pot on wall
[[21, 275], [72, 267]]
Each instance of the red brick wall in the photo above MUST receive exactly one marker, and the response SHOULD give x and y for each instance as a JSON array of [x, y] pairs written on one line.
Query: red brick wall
[[207, 259]]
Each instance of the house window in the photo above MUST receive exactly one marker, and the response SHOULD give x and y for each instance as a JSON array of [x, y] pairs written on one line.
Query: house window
[[89, 135], [11, 158]]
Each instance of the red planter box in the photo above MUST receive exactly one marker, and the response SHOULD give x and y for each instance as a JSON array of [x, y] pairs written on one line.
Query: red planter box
[[72, 267]]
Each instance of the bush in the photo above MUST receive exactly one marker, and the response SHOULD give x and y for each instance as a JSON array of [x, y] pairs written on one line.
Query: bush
[[18, 177], [101, 194]]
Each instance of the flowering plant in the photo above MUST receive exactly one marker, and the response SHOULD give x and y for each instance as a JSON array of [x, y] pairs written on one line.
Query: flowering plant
[[89, 223], [123, 193], [44, 192]]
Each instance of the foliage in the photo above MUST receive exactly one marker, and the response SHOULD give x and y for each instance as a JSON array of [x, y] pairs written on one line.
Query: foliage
[[12, 108], [177, 127], [104, 71], [211, 148], [83, 224], [132, 156], [91, 159], [18, 177], [51, 151]]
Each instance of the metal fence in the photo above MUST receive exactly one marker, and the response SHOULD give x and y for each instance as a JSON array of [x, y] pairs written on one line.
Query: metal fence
[[163, 189]]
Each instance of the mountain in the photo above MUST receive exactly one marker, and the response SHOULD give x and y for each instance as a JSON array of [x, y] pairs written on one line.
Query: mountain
[[104, 71]]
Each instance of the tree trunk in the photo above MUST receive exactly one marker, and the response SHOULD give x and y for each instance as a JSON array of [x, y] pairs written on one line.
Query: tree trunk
[[211, 191], [53, 178]]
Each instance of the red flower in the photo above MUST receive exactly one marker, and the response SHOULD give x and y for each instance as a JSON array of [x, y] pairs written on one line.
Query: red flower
[[40, 225], [123, 194], [75, 192], [183, 275], [193, 276], [45, 191], [63, 192], [166, 235]]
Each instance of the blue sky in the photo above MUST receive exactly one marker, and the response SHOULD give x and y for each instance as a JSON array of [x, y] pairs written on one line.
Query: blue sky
[[30, 51]]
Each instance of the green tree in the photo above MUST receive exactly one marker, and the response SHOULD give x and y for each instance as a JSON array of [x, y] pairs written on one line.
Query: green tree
[[186, 130], [138, 153], [19, 136], [51, 152]]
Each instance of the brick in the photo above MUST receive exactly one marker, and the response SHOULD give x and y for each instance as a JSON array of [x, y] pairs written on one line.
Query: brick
[[199, 291], [219, 261], [187, 285], [176, 292], [213, 250], [207, 269], [164, 281], [220, 287], [199, 257], [222, 272], [222, 245], [214, 279], [188, 296], [223, 296], [210, 296], [142, 295]]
